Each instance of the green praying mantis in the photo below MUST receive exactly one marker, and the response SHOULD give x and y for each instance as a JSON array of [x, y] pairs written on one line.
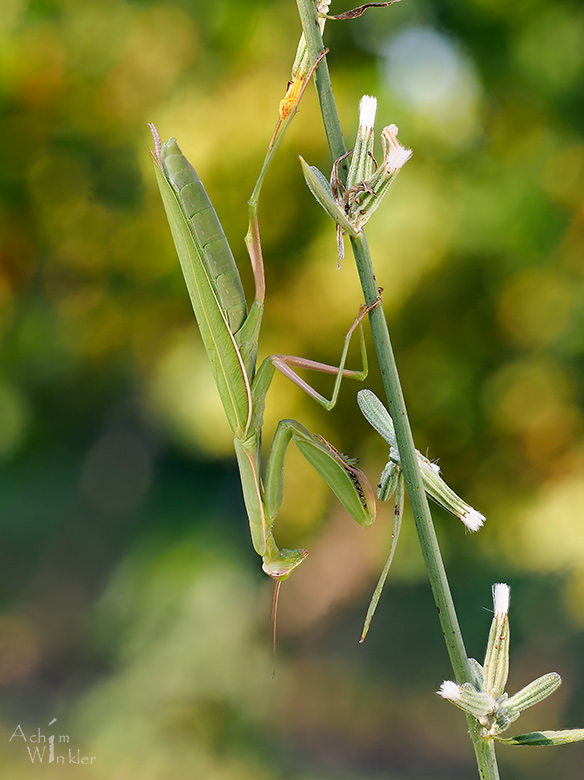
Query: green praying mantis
[[230, 334]]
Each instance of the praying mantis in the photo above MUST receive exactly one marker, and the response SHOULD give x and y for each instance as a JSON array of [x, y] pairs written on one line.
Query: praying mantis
[[230, 335]]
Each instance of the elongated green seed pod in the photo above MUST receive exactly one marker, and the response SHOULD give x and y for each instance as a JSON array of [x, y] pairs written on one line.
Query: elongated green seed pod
[[208, 233], [496, 665], [321, 190]]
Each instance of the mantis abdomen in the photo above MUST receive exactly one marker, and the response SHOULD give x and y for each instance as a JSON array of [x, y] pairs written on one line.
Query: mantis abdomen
[[214, 249]]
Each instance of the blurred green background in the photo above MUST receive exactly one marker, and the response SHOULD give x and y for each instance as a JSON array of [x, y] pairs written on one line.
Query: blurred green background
[[133, 608]]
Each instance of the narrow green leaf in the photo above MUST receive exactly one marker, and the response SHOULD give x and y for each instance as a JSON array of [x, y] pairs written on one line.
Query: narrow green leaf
[[544, 738]]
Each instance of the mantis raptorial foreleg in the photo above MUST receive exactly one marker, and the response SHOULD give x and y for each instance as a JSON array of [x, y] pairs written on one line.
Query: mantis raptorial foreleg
[[230, 335]]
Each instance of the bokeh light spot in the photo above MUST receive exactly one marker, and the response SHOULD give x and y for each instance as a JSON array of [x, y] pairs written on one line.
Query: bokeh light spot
[[535, 306], [551, 538], [184, 398], [434, 79], [563, 176]]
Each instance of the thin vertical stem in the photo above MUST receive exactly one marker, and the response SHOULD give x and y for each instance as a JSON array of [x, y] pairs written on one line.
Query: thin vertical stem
[[484, 751]]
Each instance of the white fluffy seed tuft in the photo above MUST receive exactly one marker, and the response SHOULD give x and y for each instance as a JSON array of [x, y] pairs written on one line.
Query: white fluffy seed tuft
[[449, 690], [367, 109], [501, 598], [397, 158], [472, 519]]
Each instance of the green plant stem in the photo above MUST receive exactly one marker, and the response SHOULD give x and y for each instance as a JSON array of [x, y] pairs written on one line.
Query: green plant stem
[[484, 751]]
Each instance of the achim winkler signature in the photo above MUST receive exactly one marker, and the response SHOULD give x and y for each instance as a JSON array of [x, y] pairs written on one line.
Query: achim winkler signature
[[50, 748]]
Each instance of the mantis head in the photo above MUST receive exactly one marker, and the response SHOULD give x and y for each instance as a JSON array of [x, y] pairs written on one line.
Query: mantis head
[[283, 563]]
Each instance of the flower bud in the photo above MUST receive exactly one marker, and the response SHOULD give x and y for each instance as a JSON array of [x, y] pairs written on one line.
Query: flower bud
[[350, 205], [477, 673], [321, 190], [496, 665], [362, 162], [477, 703], [379, 418], [364, 203], [437, 489], [388, 481], [536, 691], [485, 699]]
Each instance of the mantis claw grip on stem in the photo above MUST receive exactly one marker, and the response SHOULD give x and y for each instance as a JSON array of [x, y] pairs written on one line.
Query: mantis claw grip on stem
[[230, 334]]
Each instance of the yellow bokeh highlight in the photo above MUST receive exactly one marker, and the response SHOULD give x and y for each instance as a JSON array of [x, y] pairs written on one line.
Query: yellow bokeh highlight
[[536, 305], [533, 400], [526, 393], [182, 396], [563, 176], [550, 531], [162, 41], [410, 239]]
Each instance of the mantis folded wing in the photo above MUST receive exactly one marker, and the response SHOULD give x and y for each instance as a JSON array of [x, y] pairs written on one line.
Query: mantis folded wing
[[230, 334]]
